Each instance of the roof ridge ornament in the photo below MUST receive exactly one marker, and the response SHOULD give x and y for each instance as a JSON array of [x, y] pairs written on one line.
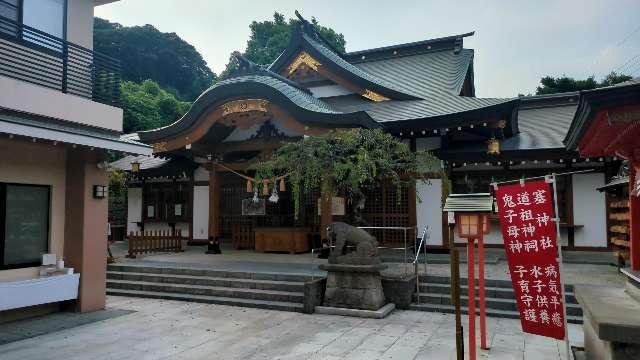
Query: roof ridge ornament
[[311, 29], [243, 66]]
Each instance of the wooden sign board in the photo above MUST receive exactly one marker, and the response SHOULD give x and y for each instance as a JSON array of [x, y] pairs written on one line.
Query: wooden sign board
[[252, 208], [337, 206]]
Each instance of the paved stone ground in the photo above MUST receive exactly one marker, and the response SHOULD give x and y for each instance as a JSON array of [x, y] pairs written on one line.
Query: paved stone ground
[[160, 329], [246, 260]]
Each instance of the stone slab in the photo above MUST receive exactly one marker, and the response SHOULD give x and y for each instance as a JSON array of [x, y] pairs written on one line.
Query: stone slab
[[372, 314], [613, 314]]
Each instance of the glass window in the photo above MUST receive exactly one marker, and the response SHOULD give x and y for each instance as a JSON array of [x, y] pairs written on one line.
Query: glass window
[[25, 224], [44, 15], [10, 10]]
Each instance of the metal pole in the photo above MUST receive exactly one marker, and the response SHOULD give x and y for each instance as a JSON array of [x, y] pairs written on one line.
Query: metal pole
[[455, 290], [471, 298], [541, 177], [427, 236], [483, 315], [559, 259]]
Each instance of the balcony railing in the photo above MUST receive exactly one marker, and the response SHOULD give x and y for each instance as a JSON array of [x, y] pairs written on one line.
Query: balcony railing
[[34, 56]]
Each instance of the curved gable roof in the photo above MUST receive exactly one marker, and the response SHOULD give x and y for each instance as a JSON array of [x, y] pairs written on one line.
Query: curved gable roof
[[307, 40], [302, 105]]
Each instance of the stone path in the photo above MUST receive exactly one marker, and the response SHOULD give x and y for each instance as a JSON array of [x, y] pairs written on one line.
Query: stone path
[[180, 330]]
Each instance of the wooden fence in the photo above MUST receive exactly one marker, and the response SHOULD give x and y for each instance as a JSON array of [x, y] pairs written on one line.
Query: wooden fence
[[154, 241]]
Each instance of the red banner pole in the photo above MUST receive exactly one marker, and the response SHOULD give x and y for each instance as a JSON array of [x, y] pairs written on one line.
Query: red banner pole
[[471, 298], [560, 266], [483, 320]]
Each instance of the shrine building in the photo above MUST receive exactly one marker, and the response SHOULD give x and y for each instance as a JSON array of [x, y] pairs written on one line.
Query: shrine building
[[421, 92]]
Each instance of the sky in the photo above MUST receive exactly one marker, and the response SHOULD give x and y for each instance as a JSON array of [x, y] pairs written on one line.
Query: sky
[[515, 42]]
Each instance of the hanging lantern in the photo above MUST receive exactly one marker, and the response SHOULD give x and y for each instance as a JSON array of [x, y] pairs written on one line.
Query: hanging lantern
[[135, 167], [282, 188], [265, 187], [249, 186], [493, 147]]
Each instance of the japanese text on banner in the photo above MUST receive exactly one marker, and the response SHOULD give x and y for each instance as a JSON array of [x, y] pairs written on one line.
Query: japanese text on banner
[[530, 241]]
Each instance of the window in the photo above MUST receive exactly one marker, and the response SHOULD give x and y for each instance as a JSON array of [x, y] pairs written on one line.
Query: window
[[24, 224], [44, 15], [9, 9]]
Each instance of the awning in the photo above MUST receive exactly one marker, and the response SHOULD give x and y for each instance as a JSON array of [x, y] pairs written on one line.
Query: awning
[[37, 127]]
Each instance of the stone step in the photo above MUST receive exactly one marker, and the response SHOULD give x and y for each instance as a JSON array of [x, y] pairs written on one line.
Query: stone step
[[174, 270], [436, 279], [296, 286], [491, 303], [252, 303], [214, 291], [490, 291], [449, 309]]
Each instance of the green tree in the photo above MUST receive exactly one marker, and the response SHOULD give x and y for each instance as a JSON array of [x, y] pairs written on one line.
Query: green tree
[[354, 161], [147, 53], [147, 106], [561, 84], [270, 38]]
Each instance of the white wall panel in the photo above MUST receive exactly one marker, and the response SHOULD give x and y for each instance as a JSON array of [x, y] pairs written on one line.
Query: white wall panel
[[201, 212], [589, 210]]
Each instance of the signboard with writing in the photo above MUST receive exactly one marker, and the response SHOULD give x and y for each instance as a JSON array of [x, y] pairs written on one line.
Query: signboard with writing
[[530, 241], [337, 206]]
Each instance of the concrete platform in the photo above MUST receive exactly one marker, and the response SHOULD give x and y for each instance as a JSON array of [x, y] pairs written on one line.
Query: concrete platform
[[371, 314]]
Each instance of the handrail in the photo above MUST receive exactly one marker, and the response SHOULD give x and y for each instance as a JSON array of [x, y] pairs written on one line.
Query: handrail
[[31, 55], [423, 241]]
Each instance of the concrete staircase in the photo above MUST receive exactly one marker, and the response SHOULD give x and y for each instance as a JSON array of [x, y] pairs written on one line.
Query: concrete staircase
[[258, 290], [435, 296]]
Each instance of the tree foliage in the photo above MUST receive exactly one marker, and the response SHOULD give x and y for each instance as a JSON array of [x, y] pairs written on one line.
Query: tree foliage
[[147, 53], [147, 106], [270, 38], [353, 161], [561, 84]]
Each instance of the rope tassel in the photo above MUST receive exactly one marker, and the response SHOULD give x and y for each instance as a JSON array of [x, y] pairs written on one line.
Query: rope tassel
[[249, 186], [282, 187]]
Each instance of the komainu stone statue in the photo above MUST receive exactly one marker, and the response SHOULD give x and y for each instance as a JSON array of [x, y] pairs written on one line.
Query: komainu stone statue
[[352, 245], [353, 271]]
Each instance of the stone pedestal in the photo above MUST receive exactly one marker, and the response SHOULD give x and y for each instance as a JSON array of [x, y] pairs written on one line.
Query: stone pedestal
[[354, 286], [611, 323]]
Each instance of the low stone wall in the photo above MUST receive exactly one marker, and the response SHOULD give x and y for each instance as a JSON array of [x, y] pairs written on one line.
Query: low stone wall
[[399, 290], [313, 294]]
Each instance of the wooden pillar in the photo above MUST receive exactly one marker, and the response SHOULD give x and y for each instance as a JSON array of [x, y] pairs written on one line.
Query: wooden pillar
[[634, 218], [326, 216], [214, 202]]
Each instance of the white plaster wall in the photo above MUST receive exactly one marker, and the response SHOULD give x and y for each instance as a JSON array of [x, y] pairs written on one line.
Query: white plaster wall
[[201, 212], [34, 99], [134, 208], [80, 22], [429, 210], [589, 210]]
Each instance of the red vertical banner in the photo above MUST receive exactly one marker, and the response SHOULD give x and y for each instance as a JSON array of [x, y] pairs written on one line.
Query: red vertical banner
[[531, 245]]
